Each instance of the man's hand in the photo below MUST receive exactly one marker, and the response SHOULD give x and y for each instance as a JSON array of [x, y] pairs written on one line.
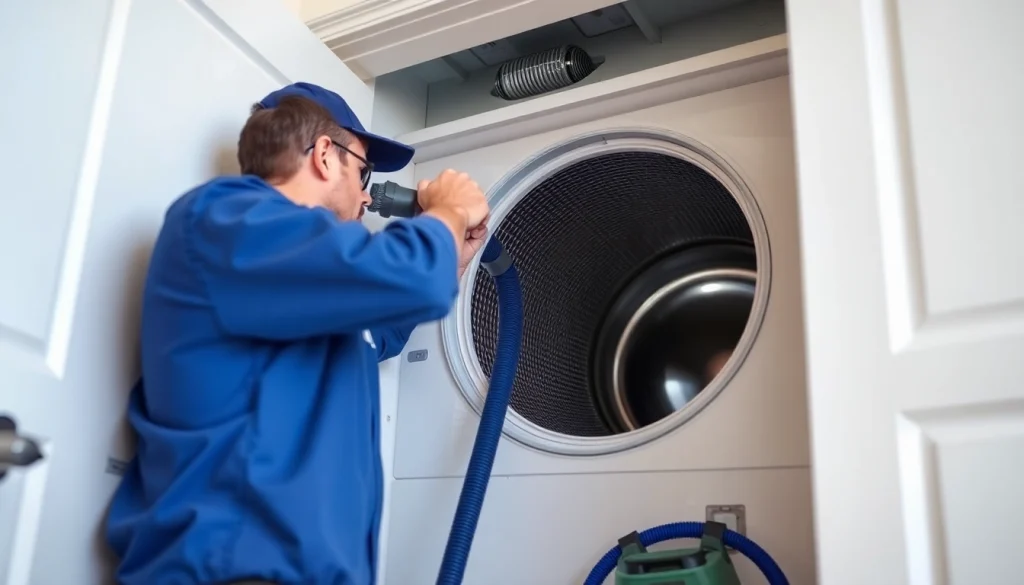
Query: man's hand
[[457, 201], [475, 240], [455, 191]]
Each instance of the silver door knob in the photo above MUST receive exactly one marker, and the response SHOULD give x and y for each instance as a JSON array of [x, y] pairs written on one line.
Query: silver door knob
[[16, 450]]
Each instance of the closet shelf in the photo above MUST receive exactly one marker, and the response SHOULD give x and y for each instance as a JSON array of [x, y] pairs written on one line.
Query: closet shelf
[[731, 67]]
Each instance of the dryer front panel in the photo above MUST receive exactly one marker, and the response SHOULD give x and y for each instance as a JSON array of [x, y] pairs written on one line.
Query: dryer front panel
[[659, 257]]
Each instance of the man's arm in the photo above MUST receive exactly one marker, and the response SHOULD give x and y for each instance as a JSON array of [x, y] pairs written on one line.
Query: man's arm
[[278, 271], [391, 341]]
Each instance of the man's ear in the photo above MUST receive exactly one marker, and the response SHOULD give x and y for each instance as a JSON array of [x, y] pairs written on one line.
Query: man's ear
[[321, 156]]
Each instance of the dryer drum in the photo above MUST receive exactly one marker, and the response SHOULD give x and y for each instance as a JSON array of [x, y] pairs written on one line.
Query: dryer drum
[[638, 276]]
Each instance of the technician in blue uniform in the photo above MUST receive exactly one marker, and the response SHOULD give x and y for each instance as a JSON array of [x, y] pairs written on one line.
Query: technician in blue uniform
[[266, 310]]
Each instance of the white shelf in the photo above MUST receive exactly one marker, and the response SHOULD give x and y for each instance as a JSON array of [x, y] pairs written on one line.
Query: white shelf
[[739, 65]]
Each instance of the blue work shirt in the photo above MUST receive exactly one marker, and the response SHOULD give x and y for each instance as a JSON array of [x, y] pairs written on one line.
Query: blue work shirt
[[257, 411]]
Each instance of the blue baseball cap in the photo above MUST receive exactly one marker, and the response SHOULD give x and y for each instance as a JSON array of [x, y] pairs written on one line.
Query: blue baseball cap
[[385, 154]]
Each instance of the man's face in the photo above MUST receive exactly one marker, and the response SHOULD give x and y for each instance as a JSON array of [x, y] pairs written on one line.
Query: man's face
[[346, 197]]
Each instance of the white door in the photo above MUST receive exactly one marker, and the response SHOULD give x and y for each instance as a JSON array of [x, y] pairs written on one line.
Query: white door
[[910, 133], [109, 110]]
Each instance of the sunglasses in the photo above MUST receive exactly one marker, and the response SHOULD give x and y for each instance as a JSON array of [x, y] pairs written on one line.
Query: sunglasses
[[364, 173]]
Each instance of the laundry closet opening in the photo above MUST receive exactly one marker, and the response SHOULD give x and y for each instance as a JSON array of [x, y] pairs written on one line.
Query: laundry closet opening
[[641, 258]]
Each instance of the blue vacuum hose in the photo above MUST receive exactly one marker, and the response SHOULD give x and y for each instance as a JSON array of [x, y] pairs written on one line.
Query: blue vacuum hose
[[675, 530], [510, 331]]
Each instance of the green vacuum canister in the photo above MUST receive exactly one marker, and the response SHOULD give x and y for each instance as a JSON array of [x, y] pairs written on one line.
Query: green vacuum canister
[[708, 564]]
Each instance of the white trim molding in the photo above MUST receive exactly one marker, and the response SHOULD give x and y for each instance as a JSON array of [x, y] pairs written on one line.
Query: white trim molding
[[374, 37], [348, 16]]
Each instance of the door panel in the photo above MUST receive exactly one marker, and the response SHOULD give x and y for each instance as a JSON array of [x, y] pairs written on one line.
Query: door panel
[[62, 85], [947, 125], [963, 98], [908, 129], [117, 108]]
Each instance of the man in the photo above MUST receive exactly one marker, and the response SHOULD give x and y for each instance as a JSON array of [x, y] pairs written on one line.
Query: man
[[266, 309]]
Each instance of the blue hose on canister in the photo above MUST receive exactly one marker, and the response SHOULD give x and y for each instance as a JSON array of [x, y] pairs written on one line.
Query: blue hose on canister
[[675, 530], [510, 331]]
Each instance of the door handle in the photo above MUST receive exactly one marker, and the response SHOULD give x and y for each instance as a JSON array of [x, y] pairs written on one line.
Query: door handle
[[16, 450]]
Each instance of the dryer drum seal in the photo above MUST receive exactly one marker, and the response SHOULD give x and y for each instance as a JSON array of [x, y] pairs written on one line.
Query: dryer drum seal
[[591, 243]]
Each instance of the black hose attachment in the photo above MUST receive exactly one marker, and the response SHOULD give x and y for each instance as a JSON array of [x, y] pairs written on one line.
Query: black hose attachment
[[392, 199]]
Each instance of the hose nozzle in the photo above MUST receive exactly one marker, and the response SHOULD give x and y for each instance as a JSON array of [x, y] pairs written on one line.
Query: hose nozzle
[[391, 199]]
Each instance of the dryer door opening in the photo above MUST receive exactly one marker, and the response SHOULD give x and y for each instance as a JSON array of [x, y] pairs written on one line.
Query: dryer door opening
[[640, 270], [671, 332]]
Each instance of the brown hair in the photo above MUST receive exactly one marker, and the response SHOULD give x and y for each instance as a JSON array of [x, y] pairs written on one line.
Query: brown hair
[[273, 140]]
